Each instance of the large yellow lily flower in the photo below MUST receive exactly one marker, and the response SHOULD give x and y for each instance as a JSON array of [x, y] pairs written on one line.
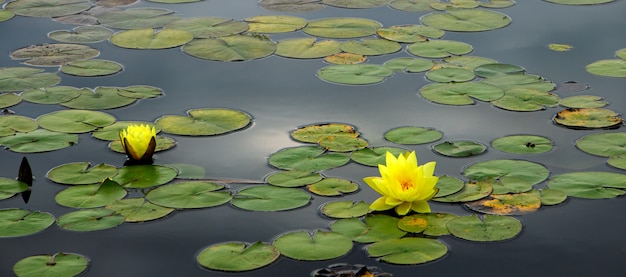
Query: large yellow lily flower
[[139, 142], [403, 184]]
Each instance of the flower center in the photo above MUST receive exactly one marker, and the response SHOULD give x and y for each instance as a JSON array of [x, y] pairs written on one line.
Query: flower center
[[405, 185]]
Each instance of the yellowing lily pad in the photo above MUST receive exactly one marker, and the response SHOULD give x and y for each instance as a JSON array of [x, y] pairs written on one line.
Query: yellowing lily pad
[[81, 173], [23, 78], [409, 33], [342, 144], [144, 176], [593, 118], [52, 95], [370, 47], [342, 27], [354, 74], [204, 122], [590, 185], [407, 251], [138, 210], [11, 124], [522, 144], [150, 38], [319, 246], [506, 204], [508, 176], [270, 198], [314, 133], [38, 141], [82, 34], [91, 68], [439, 48], [375, 228], [59, 264], [412, 5], [526, 100], [307, 158], [306, 48], [333, 187], [275, 23], [75, 121], [559, 47], [91, 196], [231, 48], [90, 220], [293, 178], [345, 58], [137, 18], [54, 54], [430, 224], [345, 209], [53, 8], [237, 256], [460, 93], [209, 27], [466, 20], [490, 228], [186, 195], [19, 222]]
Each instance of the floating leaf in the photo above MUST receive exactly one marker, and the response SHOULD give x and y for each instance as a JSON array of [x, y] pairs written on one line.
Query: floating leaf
[[497, 4], [20, 222], [354, 74], [91, 196], [137, 18], [412, 5], [377, 227], [559, 47], [9, 99], [342, 27], [522, 144], [9, 187], [582, 101], [231, 48], [360, 4], [579, 2], [550, 196], [345, 209], [138, 210], [23, 78], [471, 191], [292, 5], [466, 20], [6, 15], [459, 148], [466, 62], [618, 161], [491, 228], [608, 68], [450, 75], [438, 48], [447, 185], [321, 245], [186, 195], [54, 54], [270, 198], [409, 64], [150, 38], [82, 34], [526, 100], [345, 58], [413, 135], [11, 124], [38, 141], [144, 176], [275, 23], [506, 204], [52, 8], [460, 93], [593, 118], [373, 156], [112, 132], [59, 264], [508, 176], [91, 68], [495, 69], [454, 4], [90, 220], [293, 178], [342, 143], [81, 173], [408, 251], [370, 47], [333, 187], [307, 158], [75, 121], [510, 81], [314, 133], [237, 256], [409, 33], [306, 48], [187, 171], [52, 95], [431, 224], [209, 27], [204, 122], [590, 185]]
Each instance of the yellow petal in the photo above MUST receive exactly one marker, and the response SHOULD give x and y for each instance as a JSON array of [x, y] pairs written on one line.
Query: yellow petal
[[420, 207], [379, 204], [403, 208]]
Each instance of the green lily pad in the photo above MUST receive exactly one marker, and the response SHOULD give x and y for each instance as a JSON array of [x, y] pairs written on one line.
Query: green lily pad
[[370, 47], [407, 251], [494, 69], [189, 195], [506, 204], [508, 176], [510, 81], [617, 161], [342, 27], [550, 196], [74, 121], [315, 132], [81, 173], [343, 143], [137, 18], [377, 227], [460, 148], [430, 224], [466, 20], [450, 75], [306, 48], [373, 156], [447, 185], [38, 141], [293, 178], [522, 144], [412, 5], [526, 100], [237, 256], [454, 5], [291, 5], [209, 27], [204, 122], [82, 34], [54, 54], [413, 135], [52, 95], [187, 171], [411, 65], [270, 198], [53, 8], [6, 15], [9, 99], [439, 48], [608, 68], [491, 228], [271, 24], [621, 53], [11, 124], [559, 47], [144, 176], [137, 92], [333, 187], [590, 185], [91, 196], [307, 158], [497, 4], [20, 222], [579, 2], [459, 94], [471, 191], [231, 48], [23, 78], [319, 246], [90, 220], [9, 187], [358, 4], [91, 68], [150, 38], [409, 33], [466, 62], [59, 264], [354, 74], [112, 132], [581, 101], [138, 210], [345, 209], [593, 118]]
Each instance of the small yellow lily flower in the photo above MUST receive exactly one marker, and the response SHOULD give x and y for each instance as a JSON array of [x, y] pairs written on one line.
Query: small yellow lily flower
[[403, 184], [139, 142]]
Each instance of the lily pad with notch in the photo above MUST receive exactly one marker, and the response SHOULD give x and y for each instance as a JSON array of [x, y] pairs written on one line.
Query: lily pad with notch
[[333, 187], [376, 227], [471, 191], [53, 8], [144, 176], [54, 54], [370, 46], [508, 176], [150, 38], [447, 185], [231, 48], [588, 118], [12, 124], [16, 222], [373, 156], [9, 187], [526, 100], [342, 27], [459, 94], [75, 121], [38, 141], [137, 18], [439, 48], [90, 220], [506, 204], [306, 48], [354, 74], [356, 4], [494, 69], [409, 33], [315, 132], [82, 34], [9, 99], [583, 101], [407, 251], [489, 228], [450, 75], [52, 95], [466, 20], [81, 173], [430, 224], [413, 135], [270, 198], [522, 144], [345, 209], [138, 210], [91, 196], [319, 246], [272, 24], [189, 195], [293, 178], [204, 122], [461, 148], [23, 78], [410, 65], [590, 185], [209, 27], [527, 81], [59, 264], [307, 158], [91, 68], [237, 256]]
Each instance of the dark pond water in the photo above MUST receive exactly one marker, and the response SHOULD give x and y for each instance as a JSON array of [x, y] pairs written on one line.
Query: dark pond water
[[577, 238]]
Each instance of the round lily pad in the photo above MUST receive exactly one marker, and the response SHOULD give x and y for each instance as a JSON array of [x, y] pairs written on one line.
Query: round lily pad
[[580, 101], [54, 54], [345, 209], [361, 4], [550, 196], [409, 33], [137, 18], [342, 143], [439, 48], [590, 185], [497, 4], [459, 148], [99, 99], [9, 187], [342, 27], [319, 246], [90, 220], [9, 99], [11, 124], [493, 69], [293, 178], [314, 133], [375, 228], [449, 75], [231, 48], [490, 228], [508, 176], [333, 187], [270, 198], [23, 78], [345, 58], [237, 256], [91, 196], [409, 64], [138, 210], [412, 5], [59, 264], [453, 5], [307, 158], [291, 5], [275, 23], [204, 122], [447, 185], [81, 173], [52, 95], [413, 135], [466, 61], [150, 38], [510, 81], [466, 20], [306, 48], [82, 34], [354, 74], [506, 204], [209, 27], [144, 176], [608, 68], [526, 100], [370, 47], [522, 144], [592, 118], [407, 251], [38, 141], [471, 191], [91, 68], [617, 161], [430, 224], [19, 222], [373, 156], [187, 171], [6, 15], [185, 195], [460, 93], [75, 121], [54, 8]]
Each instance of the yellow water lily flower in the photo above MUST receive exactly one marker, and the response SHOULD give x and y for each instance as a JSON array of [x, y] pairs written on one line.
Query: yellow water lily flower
[[138, 141], [403, 184]]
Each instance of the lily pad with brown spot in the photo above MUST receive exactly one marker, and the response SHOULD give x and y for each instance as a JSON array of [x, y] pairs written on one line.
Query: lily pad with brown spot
[[588, 118], [54, 54], [506, 204]]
